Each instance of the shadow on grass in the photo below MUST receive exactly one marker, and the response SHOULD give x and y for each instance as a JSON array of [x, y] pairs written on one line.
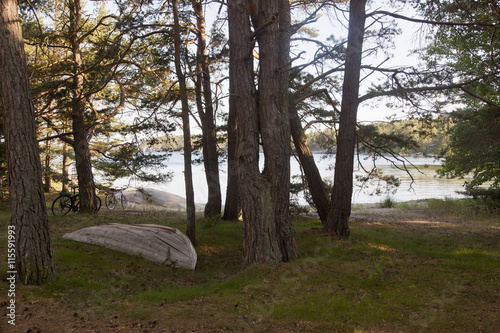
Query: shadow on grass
[[392, 275]]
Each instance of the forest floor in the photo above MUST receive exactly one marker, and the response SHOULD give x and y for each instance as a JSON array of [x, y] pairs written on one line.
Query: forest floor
[[430, 266]]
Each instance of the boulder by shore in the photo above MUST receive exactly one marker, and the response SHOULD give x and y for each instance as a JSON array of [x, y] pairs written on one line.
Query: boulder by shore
[[149, 198]]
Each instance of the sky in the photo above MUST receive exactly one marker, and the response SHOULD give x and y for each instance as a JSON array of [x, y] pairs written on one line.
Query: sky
[[410, 38], [327, 25]]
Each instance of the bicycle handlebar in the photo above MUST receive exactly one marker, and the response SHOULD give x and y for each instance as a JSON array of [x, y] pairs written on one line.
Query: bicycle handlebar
[[117, 189]]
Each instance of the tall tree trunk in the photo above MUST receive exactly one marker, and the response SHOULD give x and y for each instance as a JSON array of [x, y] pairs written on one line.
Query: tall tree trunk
[[306, 158], [274, 81], [340, 210], [268, 236], [188, 174], [260, 243], [81, 146], [46, 171], [207, 117], [65, 162], [232, 205], [34, 259], [65, 168]]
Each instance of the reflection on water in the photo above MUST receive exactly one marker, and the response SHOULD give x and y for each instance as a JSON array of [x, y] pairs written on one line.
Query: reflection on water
[[421, 183], [425, 182]]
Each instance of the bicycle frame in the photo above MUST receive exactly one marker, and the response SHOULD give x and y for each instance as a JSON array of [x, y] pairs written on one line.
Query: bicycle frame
[[114, 197], [117, 194], [120, 192], [67, 202], [61, 206], [73, 196]]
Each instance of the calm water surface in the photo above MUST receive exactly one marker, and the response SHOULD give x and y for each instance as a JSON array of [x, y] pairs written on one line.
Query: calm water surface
[[425, 182]]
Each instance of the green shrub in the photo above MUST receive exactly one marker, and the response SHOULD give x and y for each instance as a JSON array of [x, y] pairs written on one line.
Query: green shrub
[[387, 203], [210, 222], [489, 196]]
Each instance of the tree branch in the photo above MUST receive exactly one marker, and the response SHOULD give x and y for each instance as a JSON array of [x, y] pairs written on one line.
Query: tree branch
[[423, 21], [62, 136], [395, 92]]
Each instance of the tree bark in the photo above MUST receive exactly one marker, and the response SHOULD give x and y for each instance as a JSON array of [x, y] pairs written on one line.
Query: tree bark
[[65, 168], [47, 180], [340, 209], [268, 236], [34, 259], [188, 174], [306, 158], [260, 243], [83, 161], [232, 207], [274, 77], [207, 117]]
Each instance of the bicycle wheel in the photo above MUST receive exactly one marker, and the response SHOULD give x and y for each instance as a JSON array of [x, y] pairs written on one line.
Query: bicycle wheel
[[98, 203], [124, 202], [110, 201], [76, 207], [76, 203], [62, 205]]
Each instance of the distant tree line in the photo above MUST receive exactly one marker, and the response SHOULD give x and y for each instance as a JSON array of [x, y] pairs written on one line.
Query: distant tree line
[[429, 137]]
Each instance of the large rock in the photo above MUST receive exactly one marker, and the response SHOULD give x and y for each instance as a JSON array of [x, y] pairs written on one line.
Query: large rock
[[157, 243], [152, 198]]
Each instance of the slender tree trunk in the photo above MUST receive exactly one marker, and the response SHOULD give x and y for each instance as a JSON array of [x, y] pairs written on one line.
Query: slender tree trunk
[[340, 210], [232, 206], [47, 180], [81, 146], [65, 162], [306, 158], [65, 168], [34, 261], [207, 117], [188, 174]]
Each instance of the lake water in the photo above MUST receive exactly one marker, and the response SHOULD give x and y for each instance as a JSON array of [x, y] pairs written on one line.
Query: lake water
[[426, 184]]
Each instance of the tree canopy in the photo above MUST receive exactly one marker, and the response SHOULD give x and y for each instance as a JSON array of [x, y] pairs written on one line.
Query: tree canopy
[[466, 50]]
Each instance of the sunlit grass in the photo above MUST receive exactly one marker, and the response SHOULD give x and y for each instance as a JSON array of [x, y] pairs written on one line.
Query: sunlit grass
[[387, 277]]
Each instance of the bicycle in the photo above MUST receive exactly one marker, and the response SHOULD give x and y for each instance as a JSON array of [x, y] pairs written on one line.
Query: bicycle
[[67, 202], [114, 196]]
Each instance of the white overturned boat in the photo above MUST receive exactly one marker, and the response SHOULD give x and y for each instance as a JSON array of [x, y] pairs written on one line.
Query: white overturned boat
[[153, 242]]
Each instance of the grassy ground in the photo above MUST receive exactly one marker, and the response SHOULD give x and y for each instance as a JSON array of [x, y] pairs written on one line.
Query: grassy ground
[[420, 267]]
